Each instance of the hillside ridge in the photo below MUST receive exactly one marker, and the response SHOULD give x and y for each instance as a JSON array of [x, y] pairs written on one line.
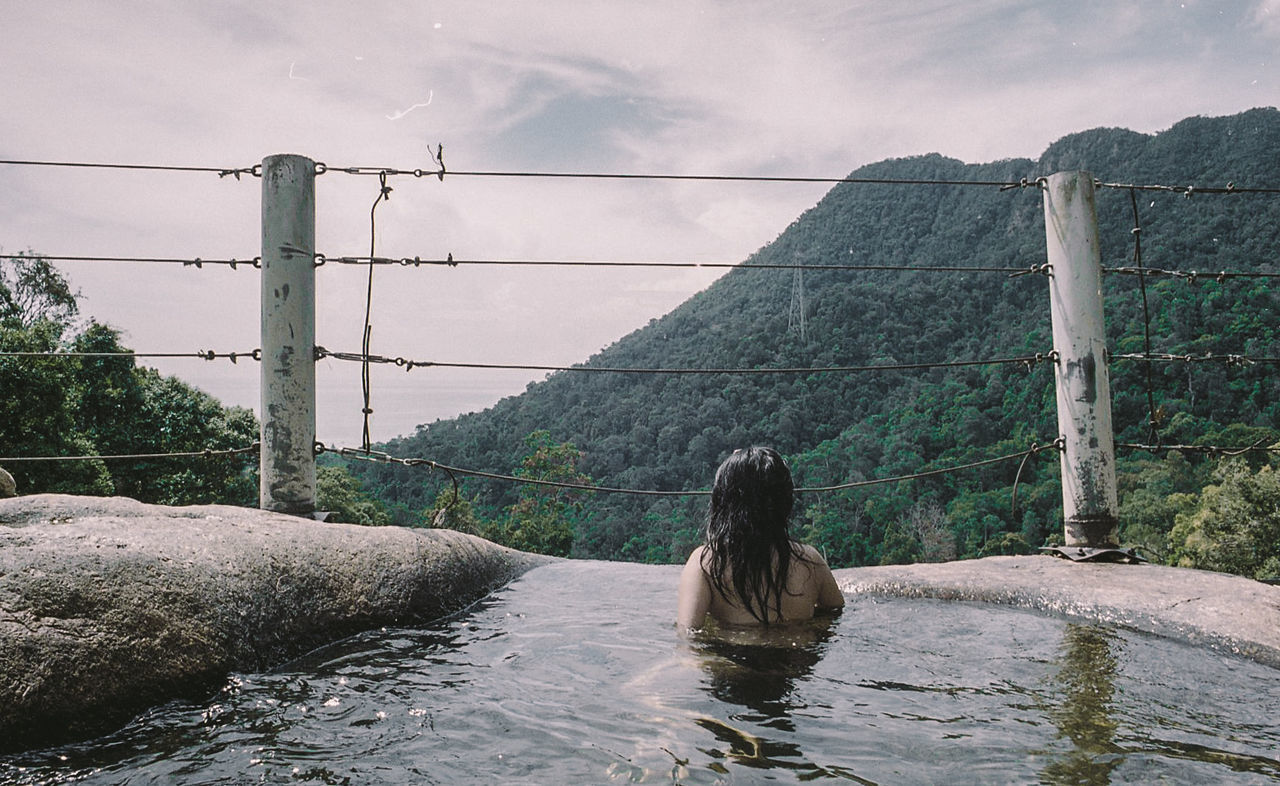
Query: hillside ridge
[[668, 432]]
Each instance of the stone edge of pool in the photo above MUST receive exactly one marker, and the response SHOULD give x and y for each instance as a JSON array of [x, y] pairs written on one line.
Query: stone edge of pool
[[1227, 613], [109, 606]]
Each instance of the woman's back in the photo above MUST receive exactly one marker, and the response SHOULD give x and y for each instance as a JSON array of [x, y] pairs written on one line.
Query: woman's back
[[810, 586]]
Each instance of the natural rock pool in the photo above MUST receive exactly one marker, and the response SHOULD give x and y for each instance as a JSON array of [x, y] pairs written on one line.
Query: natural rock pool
[[574, 674]]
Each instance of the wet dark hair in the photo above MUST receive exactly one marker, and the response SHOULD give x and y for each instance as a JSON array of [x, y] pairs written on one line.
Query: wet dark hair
[[747, 530]]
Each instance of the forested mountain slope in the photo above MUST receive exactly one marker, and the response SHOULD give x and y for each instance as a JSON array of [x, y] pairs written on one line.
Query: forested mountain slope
[[670, 431]]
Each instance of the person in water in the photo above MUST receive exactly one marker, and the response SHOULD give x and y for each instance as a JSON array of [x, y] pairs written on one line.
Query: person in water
[[750, 571]]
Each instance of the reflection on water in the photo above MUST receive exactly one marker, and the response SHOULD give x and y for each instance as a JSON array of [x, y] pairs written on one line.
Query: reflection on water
[[757, 669], [576, 674], [1086, 683]]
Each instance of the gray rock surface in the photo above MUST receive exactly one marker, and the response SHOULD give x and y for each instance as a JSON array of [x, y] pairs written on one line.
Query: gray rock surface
[[1228, 613], [8, 488], [111, 606]]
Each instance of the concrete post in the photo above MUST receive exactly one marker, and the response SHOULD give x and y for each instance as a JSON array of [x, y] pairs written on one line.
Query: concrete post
[[1080, 375], [288, 462]]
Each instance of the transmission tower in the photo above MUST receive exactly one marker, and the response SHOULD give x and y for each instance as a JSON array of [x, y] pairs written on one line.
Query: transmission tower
[[795, 315]]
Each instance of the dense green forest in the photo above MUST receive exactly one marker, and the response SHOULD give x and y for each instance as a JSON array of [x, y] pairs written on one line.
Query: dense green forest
[[668, 432]]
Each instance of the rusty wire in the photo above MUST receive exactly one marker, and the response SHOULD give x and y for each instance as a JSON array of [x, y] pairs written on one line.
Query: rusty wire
[[1190, 276], [451, 261], [1191, 190], [408, 365], [1219, 450], [384, 193], [363, 454], [206, 453], [196, 262], [236, 172], [1208, 357], [255, 354]]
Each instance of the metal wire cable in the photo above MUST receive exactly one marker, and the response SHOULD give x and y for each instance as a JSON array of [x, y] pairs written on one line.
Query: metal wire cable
[[236, 172], [440, 171], [196, 262], [1028, 360], [450, 261], [1021, 456], [1208, 357], [1190, 191], [1152, 421], [361, 454], [1027, 182], [736, 178], [1190, 276], [384, 193], [1256, 447], [255, 354], [206, 453]]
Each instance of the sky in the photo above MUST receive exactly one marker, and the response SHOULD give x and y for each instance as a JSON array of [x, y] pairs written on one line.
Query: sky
[[706, 87]]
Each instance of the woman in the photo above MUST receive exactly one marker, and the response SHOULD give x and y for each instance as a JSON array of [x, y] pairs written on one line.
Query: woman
[[750, 571]]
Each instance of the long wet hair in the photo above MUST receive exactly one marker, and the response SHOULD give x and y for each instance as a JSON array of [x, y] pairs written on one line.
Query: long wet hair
[[747, 530]]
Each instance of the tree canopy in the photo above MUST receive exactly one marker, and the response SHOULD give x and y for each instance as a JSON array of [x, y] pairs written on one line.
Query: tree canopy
[[105, 405]]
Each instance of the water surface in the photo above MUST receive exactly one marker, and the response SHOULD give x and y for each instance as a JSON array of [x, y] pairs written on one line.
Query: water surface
[[575, 674]]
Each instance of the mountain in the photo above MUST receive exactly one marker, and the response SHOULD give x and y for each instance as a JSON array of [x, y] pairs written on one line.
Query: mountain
[[669, 432]]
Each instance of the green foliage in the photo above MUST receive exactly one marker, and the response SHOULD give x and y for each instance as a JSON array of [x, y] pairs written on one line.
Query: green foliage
[[669, 432], [32, 290], [545, 518], [101, 406], [38, 415], [341, 493], [1234, 526], [453, 511]]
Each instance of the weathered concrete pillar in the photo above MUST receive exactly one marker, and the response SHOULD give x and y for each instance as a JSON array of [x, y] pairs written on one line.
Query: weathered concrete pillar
[[288, 463], [1080, 375]]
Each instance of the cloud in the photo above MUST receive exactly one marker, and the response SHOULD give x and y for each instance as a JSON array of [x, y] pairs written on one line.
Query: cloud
[[700, 86], [1267, 16]]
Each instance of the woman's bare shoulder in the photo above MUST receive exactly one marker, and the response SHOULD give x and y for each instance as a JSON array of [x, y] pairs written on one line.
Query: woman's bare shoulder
[[812, 555]]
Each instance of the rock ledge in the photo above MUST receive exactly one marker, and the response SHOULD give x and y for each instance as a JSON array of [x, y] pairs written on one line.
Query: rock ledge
[[1228, 613], [111, 606]]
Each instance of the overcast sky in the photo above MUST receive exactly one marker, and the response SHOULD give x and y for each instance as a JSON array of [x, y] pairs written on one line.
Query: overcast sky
[[689, 87]]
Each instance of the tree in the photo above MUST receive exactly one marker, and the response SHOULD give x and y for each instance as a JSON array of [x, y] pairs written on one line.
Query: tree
[[37, 415], [545, 517], [32, 290], [900, 546], [928, 520], [1235, 525], [93, 406], [453, 511], [341, 493]]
